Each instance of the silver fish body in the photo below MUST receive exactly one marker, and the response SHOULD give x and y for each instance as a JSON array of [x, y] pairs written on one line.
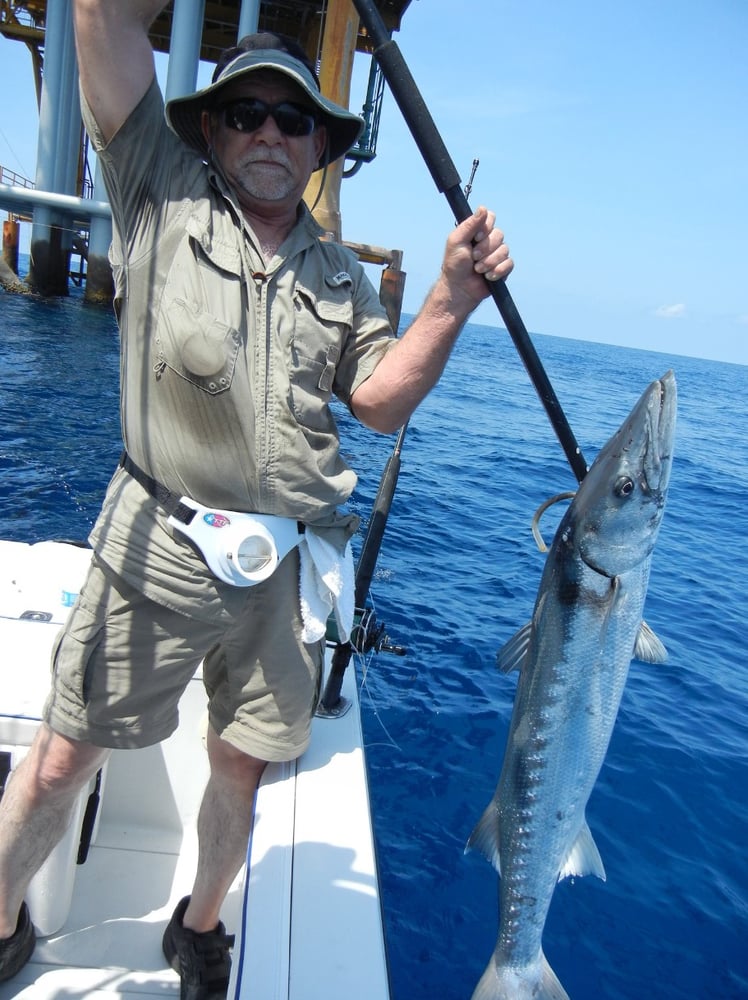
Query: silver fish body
[[573, 659]]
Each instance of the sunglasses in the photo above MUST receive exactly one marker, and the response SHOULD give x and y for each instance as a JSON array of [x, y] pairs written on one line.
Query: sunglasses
[[250, 113]]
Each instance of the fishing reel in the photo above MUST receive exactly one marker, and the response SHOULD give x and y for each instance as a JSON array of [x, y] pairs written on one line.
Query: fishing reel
[[367, 634]]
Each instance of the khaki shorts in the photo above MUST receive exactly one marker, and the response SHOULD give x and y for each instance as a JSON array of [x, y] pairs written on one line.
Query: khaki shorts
[[122, 662]]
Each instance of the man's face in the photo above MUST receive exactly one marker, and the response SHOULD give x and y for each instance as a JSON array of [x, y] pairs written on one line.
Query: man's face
[[268, 169]]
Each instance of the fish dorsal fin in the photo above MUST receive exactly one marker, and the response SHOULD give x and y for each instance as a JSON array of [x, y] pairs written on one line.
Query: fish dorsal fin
[[485, 836], [512, 655], [583, 858], [648, 647]]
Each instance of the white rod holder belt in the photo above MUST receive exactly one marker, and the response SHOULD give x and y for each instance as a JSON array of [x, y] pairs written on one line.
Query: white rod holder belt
[[239, 548]]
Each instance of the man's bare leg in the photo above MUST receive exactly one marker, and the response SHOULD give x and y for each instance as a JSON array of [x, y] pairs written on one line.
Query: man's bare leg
[[35, 812], [223, 825]]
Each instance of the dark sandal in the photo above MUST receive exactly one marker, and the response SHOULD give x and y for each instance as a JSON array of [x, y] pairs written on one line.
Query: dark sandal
[[202, 960], [15, 951]]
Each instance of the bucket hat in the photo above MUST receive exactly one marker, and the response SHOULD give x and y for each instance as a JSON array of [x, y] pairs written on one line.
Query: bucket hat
[[265, 51]]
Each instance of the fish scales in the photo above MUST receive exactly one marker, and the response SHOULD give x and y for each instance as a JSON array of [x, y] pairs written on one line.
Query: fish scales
[[573, 659]]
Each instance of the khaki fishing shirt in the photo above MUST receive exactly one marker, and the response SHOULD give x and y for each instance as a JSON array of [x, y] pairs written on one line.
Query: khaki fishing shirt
[[228, 362]]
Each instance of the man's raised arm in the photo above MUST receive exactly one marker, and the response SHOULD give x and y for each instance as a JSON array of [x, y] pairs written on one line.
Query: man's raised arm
[[114, 56]]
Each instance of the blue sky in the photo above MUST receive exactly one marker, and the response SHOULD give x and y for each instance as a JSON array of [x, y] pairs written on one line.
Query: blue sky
[[613, 146]]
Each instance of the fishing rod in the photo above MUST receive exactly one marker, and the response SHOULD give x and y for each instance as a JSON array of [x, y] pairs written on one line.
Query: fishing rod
[[366, 634], [447, 180]]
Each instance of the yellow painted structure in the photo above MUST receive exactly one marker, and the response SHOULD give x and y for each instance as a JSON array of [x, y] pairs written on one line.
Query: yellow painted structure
[[328, 30]]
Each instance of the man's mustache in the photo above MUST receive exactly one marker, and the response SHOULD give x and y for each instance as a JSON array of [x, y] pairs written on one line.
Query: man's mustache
[[266, 156]]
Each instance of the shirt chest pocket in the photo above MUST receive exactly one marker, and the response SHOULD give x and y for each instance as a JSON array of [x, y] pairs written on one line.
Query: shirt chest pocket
[[322, 322], [197, 346]]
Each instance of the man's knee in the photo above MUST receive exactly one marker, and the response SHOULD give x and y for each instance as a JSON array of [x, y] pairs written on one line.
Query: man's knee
[[57, 764], [232, 764]]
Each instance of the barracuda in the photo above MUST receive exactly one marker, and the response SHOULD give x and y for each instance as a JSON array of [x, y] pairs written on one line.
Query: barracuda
[[573, 659]]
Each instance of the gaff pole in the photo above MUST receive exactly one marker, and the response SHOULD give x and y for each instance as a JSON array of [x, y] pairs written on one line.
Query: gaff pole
[[447, 180]]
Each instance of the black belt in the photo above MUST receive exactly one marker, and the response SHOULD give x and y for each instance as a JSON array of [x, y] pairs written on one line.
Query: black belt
[[171, 502]]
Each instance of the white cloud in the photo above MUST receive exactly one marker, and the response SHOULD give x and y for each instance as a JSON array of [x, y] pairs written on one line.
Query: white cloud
[[676, 311]]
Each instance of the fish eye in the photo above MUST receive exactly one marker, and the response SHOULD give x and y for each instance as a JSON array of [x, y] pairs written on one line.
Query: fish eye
[[624, 486]]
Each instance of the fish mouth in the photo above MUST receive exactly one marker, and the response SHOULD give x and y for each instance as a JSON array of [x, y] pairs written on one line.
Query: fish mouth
[[642, 448], [620, 502], [662, 403]]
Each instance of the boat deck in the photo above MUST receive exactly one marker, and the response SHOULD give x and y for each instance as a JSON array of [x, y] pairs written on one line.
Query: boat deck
[[308, 918]]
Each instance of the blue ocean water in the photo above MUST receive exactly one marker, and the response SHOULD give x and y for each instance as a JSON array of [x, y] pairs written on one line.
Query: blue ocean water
[[457, 576]]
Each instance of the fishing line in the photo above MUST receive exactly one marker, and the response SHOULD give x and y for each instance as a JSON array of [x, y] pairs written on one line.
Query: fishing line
[[14, 154], [50, 476], [365, 660], [76, 231], [391, 741]]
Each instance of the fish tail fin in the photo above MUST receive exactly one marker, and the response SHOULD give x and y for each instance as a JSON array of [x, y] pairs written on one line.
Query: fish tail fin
[[535, 982], [485, 836], [550, 987]]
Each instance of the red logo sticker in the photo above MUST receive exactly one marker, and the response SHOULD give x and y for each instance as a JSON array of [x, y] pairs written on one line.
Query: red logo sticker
[[216, 520]]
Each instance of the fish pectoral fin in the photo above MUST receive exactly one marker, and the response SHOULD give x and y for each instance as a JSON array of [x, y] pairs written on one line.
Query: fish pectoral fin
[[485, 836], [648, 647], [512, 654], [583, 858]]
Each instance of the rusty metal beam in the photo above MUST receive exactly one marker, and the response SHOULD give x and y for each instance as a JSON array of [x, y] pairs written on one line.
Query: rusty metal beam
[[24, 21], [298, 18], [22, 33]]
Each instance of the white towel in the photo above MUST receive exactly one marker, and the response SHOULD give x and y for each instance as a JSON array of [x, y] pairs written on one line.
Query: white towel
[[326, 583]]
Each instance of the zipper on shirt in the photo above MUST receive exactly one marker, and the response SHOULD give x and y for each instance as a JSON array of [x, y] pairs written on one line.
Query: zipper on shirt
[[262, 388]]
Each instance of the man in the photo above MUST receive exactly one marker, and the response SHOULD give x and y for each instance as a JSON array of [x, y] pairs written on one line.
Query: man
[[238, 324]]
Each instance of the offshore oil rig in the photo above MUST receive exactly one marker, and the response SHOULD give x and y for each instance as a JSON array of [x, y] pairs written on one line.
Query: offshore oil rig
[[66, 203]]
